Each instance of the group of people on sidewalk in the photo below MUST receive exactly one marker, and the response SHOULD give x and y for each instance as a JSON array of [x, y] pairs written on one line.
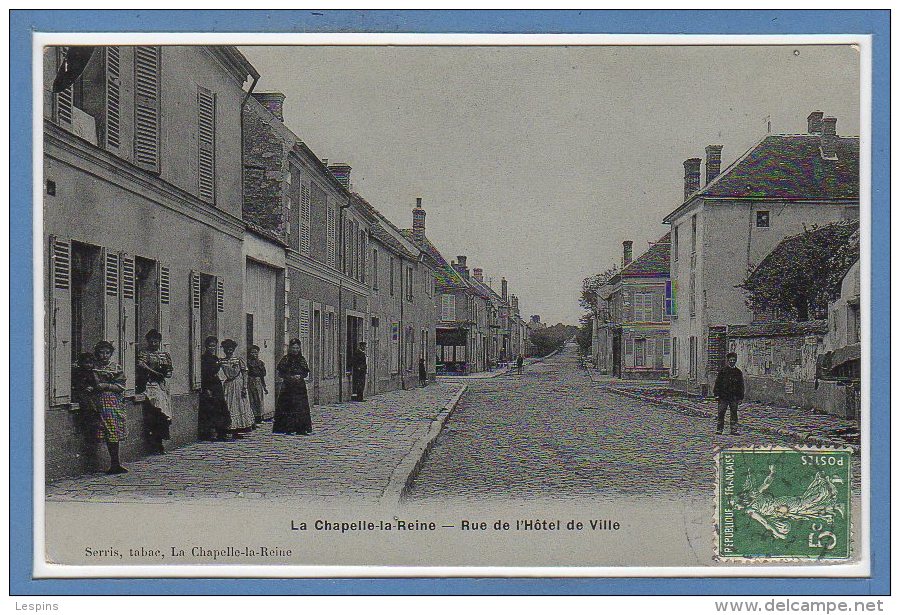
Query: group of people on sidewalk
[[232, 394]]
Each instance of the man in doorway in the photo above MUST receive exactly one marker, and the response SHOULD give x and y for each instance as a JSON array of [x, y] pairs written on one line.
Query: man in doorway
[[729, 390], [423, 372], [358, 367]]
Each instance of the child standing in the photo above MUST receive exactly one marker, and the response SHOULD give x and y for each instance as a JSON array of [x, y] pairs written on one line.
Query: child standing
[[256, 386]]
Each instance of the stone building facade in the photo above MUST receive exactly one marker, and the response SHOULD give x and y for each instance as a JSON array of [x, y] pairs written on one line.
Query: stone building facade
[[729, 223]]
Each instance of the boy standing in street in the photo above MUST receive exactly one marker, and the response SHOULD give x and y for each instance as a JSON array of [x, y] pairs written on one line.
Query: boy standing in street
[[729, 390]]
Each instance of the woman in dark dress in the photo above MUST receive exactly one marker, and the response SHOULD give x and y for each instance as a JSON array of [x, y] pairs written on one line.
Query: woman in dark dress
[[214, 418], [292, 406]]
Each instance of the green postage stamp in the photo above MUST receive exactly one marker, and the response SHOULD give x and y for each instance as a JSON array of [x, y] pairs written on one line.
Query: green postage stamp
[[777, 504]]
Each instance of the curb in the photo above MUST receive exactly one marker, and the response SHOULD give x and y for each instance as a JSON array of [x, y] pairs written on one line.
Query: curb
[[408, 469], [802, 438]]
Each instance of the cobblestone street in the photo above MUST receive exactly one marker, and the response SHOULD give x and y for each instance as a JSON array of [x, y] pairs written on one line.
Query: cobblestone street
[[352, 453], [553, 432]]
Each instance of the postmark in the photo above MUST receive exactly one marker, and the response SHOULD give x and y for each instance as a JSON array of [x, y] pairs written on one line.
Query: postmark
[[781, 504]]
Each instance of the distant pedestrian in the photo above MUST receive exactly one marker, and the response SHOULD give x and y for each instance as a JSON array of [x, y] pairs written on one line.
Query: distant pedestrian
[[520, 362], [256, 371], [236, 395], [214, 418], [359, 367], [292, 406], [423, 372], [108, 398], [729, 389], [154, 367]]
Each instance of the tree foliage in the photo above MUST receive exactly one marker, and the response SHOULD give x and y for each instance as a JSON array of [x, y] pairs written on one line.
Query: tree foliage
[[589, 288], [803, 273], [544, 341]]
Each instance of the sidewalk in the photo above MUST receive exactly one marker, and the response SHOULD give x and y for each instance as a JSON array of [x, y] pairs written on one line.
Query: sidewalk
[[368, 450], [798, 424]]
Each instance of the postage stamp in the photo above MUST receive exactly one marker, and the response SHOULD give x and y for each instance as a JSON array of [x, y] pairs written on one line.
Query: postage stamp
[[783, 504]]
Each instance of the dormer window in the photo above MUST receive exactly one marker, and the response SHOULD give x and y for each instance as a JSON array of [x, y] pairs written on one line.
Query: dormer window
[[762, 219]]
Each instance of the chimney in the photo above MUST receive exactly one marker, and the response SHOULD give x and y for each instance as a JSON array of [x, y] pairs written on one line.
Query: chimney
[[419, 222], [626, 252], [460, 267], [478, 274], [341, 172], [691, 177], [503, 288], [713, 162], [273, 101], [814, 123], [828, 138]]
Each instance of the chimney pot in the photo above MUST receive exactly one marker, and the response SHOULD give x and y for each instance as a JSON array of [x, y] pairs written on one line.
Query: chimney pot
[[626, 252], [273, 101], [691, 176], [503, 288], [829, 126], [478, 274], [461, 260], [814, 123], [713, 162]]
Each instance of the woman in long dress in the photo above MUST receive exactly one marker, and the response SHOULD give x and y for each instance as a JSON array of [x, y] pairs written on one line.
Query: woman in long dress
[[110, 404], [154, 367], [213, 419], [292, 406], [235, 372]]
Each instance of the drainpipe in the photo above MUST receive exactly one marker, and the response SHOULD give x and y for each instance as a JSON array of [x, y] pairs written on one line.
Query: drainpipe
[[341, 367]]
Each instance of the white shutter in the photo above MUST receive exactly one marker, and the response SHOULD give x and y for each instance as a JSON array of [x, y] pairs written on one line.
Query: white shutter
[[332, 227], [127, 333], [64, 99], [196, 341], [111, 285], [206, 142], [146, 107], [113, 98], [220, 309], [304, 219], [629, 352], [304, 326], [165, 310], [60, 342]]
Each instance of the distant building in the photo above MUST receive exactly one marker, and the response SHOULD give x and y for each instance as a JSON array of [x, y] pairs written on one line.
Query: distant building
[[631, 331], [729, 223]]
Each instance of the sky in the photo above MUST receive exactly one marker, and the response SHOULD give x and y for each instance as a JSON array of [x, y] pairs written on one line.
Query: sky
[[536, 163]]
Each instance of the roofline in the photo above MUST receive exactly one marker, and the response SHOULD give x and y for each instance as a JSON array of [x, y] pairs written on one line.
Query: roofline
[[702, 190], [235, 61]]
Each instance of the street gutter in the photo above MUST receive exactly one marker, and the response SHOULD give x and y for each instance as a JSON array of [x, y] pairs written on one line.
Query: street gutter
[[408, 469]]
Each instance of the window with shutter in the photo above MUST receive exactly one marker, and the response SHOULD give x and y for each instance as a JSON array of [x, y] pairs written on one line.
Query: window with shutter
[[220, 309], [331, 239], [304, 325], [304, 219], [111, 301], [206, 144], [64, 99], [60, 316], [128, 322], [146, 107], [196, 337], [113, 95], [165, 310]]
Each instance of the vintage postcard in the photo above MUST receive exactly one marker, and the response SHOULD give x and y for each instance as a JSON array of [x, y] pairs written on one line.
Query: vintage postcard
[[452, 305]]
